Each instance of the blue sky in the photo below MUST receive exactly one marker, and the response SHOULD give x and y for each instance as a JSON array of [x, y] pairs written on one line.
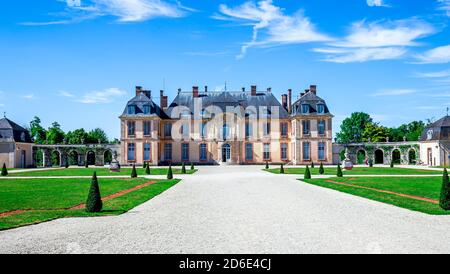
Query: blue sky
[[77, 61]]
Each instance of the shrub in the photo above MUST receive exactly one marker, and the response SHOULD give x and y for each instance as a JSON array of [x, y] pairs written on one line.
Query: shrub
[[339, 171], [86, 165], [147, 169], [170, 173], [321, 169], [144, 166], [267, 165], [67, 164], [282, 169], [392, 163], [192, 166], [307, 173], [370, 163], [4, 170], [312, 165], [183, 168], [445, 192], [134, 172], [94, 200]]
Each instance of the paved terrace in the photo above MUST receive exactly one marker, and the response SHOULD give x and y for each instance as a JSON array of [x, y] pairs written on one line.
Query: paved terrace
[[239, 209]]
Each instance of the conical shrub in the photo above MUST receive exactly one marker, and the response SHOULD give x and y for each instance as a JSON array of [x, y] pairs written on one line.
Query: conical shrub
[[183, 168], [321, 169], [4, 170], [282, 169], [170, 173], [144, 166], [134, 172], [445, 192], [147, 170], [192, 166], [267, 165], [94, 201], [392, 163], [307, 173], [370, 163], [86, 165], [312, 165], [339, 171], [67, 163]]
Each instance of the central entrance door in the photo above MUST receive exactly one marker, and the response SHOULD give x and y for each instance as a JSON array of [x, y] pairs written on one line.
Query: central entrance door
[[226, 153]]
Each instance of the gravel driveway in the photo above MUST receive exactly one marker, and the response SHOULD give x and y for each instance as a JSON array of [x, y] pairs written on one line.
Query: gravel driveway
[[239, 209]]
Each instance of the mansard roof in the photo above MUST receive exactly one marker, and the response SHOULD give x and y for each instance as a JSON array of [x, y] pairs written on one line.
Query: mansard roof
[[312, 101], [9, 129], [139, 101], [229, 99], [439, 130]]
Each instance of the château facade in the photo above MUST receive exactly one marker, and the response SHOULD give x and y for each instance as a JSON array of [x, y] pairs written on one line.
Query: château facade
[[241, 127]]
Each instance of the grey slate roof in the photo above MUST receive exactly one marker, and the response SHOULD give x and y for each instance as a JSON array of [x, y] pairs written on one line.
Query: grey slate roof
[[312, 100], [439, 130], [229, 99], [9, 129], [139, 102]]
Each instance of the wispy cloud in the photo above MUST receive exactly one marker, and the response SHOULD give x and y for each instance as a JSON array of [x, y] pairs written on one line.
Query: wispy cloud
[[271, 26], [381, 40], [102, 97], [29, 97], [63, 93], [439, 55], [445, 6], [123, 10], [377, 3], [393, 92], [434, 74], [207, 53]]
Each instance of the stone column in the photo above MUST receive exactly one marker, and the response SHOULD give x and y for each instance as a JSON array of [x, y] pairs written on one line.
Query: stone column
[[47, 159]]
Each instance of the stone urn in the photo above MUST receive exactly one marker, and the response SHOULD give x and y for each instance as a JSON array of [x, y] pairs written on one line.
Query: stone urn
[[347, 163], [114, 166]]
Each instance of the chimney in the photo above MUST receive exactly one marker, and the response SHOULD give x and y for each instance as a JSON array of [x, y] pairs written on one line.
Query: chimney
[[284, 101], [206, 89], [269, 89], [147, 93], [163, 100], [313, 89], [253, 90], [195, 91], [289, 100], [302, 94], [138, 90], [179, 91], [243, 89]]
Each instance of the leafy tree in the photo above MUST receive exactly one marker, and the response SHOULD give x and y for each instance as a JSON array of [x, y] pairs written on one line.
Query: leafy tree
[[444, 201], [321, 169], [411, 131], [96, 135], [375, 133], [4, 170], [134, 172], [282, 169], [77, 136], [38, 133], [339, 171], [170, 173], [147, 169], [183, 168], [352, 128], [307, 173], [55, 135], [94, 201]]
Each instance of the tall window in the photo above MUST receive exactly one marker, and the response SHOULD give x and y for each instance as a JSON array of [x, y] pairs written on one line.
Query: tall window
[[320, 108], [249, 152], [321, 152], [226, 132], [266, 152], [147, 151], [185, 152], [131, 152], [321, 127], [306, 127], [248, 130], [305, 109], [185, 130], [132, 109], [203, 130], [131, 128], [284, 129], [167, 130], [203, 152], [168, 152], [284, 151], [266, 129], [306, 151], [147, 109], [147, 128]]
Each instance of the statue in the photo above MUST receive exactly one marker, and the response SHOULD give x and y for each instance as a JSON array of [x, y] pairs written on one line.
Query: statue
[[114, 166], [347, 163]]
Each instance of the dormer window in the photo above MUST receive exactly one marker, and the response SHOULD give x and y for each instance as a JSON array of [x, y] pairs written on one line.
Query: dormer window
[[132, 109], [305, 109], [147, 109], [320, 108]]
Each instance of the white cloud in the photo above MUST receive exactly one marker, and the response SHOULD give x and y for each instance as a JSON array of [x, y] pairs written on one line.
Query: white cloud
[[381, 40], [445, 6], [271, 26], [434, 74], [29, 97], [376, 3], [394, 92], [63, 93], [439, 55], [102, 97]]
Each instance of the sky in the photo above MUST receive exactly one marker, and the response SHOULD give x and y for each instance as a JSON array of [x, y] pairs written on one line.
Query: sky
[[77, 61]]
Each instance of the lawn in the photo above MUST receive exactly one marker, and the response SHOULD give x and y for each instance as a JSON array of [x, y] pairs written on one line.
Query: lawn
[[360, 171], [426, 187], [100, 172], [49, 199]]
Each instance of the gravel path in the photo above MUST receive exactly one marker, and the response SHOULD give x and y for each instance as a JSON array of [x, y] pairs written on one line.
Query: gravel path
[[241, 210]]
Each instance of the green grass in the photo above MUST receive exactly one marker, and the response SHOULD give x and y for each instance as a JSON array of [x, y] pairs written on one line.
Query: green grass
[[100, 172], [427, 187], [47, 199], [360, 171]]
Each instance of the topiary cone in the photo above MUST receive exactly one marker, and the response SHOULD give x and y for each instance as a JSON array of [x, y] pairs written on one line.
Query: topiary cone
[[339, 171], [444, 201], [267, 165], [67, 164], [392, 163], [307, 173], [4, 170], [321, 169], [94, 201], [312, 165], [170, 173], [192, 166], [282, 169], [134, 172], [147, 169], [183, 168]]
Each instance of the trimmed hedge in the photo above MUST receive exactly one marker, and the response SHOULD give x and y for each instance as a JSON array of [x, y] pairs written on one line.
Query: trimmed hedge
[[445, 192]]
